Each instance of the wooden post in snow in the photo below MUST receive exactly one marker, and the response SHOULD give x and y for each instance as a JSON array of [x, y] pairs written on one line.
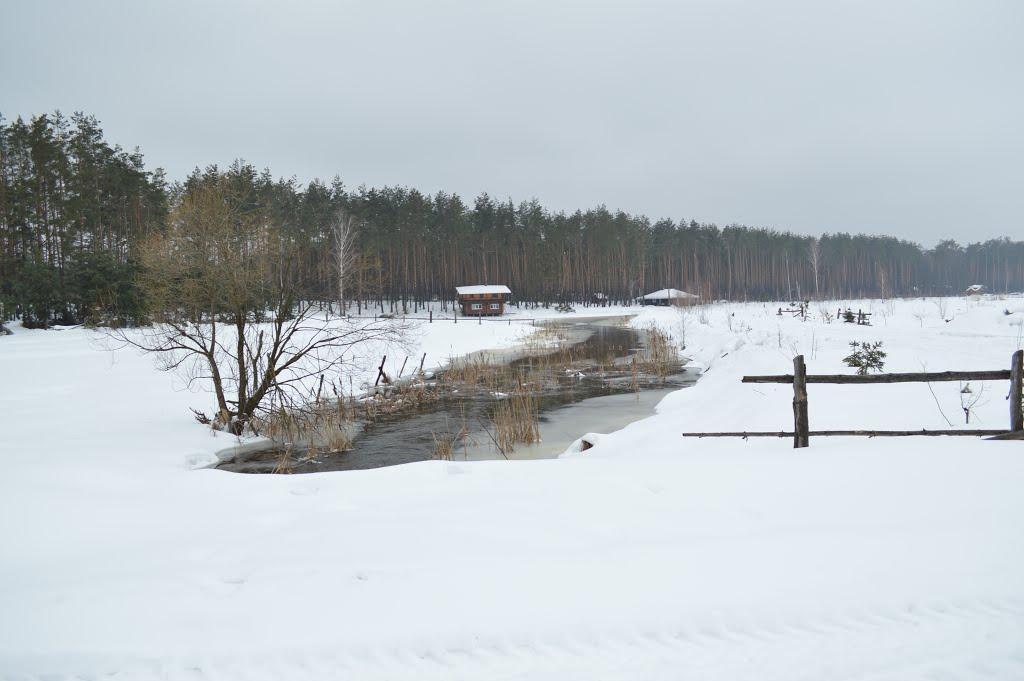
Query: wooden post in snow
[[1016, 386], [801, 428]]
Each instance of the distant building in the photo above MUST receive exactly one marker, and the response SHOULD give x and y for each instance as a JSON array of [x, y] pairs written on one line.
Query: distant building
[[483, 300], [668, 296], [975, 290]]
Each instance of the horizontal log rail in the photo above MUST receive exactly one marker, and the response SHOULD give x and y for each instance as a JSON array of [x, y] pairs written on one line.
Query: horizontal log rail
[[1009, 435], [921, 377], [802, 433], [852, 433]]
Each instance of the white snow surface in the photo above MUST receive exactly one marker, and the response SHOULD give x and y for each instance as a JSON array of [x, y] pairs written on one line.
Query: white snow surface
[[648, 556]]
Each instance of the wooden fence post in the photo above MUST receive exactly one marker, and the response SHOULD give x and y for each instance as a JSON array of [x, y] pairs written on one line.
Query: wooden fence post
[[1016, 381], [801, 428]]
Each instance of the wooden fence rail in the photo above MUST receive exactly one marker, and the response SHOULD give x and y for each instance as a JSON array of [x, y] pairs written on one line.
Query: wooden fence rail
[[853, 433], [921, 377], [802, 433]]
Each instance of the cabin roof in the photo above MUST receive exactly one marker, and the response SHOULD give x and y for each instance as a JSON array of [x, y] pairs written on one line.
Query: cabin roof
[[667, 293], [482, 288]]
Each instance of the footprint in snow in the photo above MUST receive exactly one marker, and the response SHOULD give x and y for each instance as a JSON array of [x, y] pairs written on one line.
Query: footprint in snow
[[304, 490]]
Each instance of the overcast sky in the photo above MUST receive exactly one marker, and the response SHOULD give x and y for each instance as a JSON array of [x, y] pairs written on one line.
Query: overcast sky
[[869, 116]]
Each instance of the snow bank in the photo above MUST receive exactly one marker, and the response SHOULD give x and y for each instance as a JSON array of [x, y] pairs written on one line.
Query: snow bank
[[646, 556]]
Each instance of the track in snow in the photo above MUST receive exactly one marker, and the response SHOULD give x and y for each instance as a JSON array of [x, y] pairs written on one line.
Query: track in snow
[[959, 641]]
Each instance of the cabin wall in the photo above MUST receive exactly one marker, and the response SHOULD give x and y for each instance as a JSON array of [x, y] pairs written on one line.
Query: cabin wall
[[482, 305]]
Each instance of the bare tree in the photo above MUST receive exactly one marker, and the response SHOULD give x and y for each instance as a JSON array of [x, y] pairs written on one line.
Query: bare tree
[[345, 255], [223, 289], [969, 399], [814, 257]]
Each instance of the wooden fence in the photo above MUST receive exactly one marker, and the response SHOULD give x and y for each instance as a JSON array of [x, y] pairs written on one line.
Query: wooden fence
[[479, 319], [802, 433]]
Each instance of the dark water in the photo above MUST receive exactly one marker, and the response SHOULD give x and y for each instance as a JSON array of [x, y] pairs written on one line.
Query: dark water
[[572, 403]]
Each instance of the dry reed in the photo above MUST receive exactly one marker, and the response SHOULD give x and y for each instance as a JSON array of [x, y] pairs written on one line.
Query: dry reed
[[516, 419]]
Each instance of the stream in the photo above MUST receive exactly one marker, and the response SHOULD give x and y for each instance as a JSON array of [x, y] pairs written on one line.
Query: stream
[[595, 391]]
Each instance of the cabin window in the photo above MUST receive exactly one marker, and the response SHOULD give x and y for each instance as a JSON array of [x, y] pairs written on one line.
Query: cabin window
[[494, 306], [477, 306]]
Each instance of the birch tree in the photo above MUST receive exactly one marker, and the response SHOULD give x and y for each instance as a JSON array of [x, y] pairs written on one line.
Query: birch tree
[[814, 258], [345, 254]]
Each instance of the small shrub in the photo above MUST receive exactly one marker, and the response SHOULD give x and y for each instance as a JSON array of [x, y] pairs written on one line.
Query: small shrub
[[866, 357]]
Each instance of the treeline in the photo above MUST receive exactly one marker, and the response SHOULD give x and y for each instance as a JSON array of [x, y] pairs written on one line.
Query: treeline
[[73, 209]]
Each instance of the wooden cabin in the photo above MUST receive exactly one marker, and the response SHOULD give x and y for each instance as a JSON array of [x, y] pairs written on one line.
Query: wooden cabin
[[668, 296], [483, 300]]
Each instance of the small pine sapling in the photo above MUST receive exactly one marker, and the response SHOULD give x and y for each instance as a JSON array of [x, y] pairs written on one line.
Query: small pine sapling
[[866, 357]]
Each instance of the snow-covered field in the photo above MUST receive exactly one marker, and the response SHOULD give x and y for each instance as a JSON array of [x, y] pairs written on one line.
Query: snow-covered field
[[649, 556]]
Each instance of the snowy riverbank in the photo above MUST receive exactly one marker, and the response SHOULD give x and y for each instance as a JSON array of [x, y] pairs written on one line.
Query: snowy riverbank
[[648, 556]]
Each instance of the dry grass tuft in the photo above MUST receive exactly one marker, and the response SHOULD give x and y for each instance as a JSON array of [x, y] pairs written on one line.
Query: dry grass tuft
[[516, 419], [284, 462], [324, 425]]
